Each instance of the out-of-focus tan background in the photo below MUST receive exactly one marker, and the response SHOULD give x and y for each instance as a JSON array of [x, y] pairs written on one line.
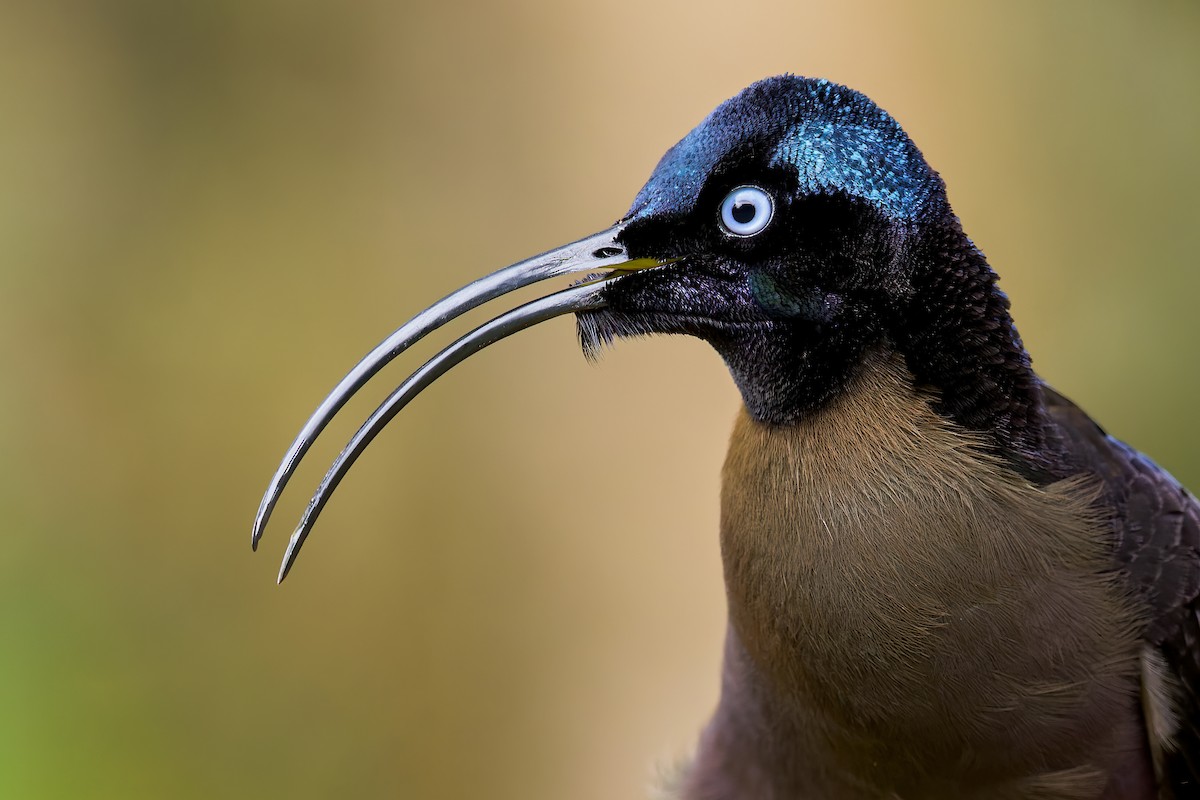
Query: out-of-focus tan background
[[210, 210]]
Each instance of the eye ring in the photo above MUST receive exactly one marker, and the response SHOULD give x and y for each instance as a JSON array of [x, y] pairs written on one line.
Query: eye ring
[[746, 211]]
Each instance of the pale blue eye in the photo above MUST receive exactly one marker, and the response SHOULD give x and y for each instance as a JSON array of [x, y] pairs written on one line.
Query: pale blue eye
[[746, 210]]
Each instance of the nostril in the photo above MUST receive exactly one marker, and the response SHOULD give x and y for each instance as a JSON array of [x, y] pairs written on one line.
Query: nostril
[[607, 252]]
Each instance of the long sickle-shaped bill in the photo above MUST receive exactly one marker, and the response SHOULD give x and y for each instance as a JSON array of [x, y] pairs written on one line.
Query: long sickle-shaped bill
[[598, 252]]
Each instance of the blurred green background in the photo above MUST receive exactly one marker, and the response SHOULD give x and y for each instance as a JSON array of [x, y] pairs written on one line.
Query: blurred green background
[[210, 210]]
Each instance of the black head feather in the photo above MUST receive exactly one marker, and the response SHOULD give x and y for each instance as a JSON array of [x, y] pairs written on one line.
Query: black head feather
[[862, 250]]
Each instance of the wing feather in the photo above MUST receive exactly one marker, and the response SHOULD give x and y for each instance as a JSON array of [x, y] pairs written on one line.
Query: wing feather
[[1156, 545]]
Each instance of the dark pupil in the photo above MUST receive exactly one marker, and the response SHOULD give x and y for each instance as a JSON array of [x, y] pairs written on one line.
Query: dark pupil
[[743, 212]]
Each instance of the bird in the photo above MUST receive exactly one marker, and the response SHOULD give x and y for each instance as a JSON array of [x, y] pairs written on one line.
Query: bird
[[943, 578]]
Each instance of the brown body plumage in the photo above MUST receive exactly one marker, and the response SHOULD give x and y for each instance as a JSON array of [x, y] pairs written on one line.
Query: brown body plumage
[[906, 607]]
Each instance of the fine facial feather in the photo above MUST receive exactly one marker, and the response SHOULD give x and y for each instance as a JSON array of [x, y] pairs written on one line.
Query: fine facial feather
[[914, 607]]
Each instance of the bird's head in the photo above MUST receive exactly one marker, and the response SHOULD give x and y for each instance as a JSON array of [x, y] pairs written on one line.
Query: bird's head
[[788, 230], [782, 224]]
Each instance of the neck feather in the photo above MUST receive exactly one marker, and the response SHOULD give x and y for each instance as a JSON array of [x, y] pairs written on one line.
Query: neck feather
[[958, 339]]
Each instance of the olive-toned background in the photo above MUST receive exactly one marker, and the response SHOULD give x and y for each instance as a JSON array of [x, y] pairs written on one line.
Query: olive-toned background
[[210, 209]]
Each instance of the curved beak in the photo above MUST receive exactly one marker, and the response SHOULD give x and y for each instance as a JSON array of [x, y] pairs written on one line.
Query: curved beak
[[600, 251]]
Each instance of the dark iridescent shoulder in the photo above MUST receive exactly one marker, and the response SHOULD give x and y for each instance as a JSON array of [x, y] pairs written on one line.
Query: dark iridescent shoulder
[[1156, 546], [1156, 520]]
